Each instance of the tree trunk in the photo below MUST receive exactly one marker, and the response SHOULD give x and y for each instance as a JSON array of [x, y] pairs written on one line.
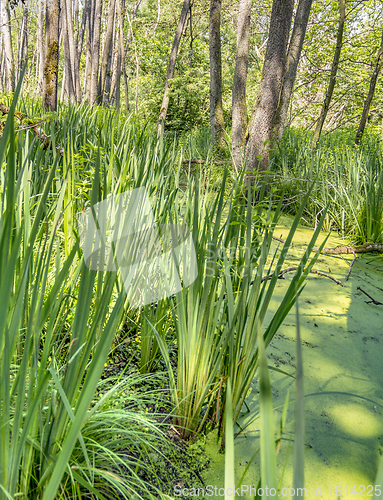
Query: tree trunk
[[239, 111], [257, 148], [89, 43], [23, 56], [84, 18], [293, 56], [69, 71], [40, 43], [8, 51], [121, 56], [94, 90], [51, 63], [109, 72], [172, 62], [72, 39], [217, 125], [371, 91], [334, 70], [107, 47]]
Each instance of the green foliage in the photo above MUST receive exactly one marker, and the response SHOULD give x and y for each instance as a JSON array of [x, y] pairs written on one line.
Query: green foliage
[[349, 181], [58, 320]]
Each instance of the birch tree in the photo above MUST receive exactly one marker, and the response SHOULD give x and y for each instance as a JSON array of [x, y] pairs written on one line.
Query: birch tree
[[8, 49]]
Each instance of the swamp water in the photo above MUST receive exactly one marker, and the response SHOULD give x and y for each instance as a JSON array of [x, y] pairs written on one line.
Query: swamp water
[[342, 344]]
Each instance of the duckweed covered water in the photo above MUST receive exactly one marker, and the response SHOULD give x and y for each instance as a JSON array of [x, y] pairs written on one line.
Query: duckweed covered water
[[342, 340]]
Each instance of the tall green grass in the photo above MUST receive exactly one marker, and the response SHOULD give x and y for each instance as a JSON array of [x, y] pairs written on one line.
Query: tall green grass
[[349, 182], [58, 320], [216, 317]]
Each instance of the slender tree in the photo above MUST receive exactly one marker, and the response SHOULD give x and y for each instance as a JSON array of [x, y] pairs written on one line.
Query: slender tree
[[106, 56], [89, 43], [257, 147], [371, 91], [67, 34], [293, 56], [95, 58], [40, 42], [52, 19], [72, 43], [334, 71], [217, 125], [239, 111], [7, 43], [23, 46], [171, 66]]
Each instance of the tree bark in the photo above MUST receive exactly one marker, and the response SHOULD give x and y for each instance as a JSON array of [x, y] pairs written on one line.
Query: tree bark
[[217, 124], [23, 56], [94, 89], [84, 18], [51, 62], [257, 148], [239, 111], [73, 52], [8, 50], [40, 43], [107, 47], [371, 91], [69, 70], [172, 62], [89, 43], [120, 7], [334, 71], [293, 56]]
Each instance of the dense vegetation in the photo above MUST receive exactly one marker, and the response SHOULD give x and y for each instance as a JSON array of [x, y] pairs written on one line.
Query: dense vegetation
[[111, 398]]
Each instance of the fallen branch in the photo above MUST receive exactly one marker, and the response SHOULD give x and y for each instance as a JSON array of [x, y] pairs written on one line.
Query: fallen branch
[[290, 269], [349, 269], [35, 127], [346, 249], [375, 302]]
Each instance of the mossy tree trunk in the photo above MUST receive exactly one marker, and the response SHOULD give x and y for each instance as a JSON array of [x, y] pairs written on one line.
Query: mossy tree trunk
[[293, 56], [217, 124], [334, 71], [260, 126], [371, 91], [239, 111], [51, 63]]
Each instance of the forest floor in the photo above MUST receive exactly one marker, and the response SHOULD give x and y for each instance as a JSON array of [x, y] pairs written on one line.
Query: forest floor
[[342, 342]]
